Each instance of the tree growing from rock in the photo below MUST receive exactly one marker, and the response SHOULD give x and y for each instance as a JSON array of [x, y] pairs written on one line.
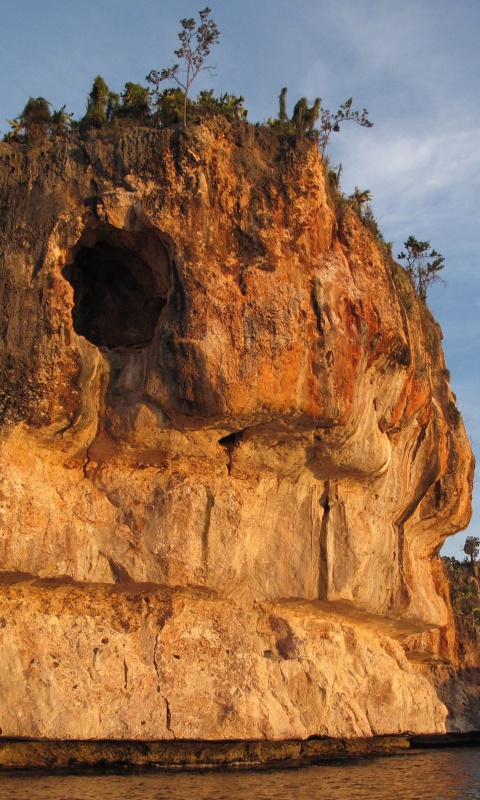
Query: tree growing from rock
[[359, 199], [423, 264], [282, 113], [471, 548], [101, 105], [36, 122], [305, 118], [195, 44], [330, 123], [135, 103], [169, 106]]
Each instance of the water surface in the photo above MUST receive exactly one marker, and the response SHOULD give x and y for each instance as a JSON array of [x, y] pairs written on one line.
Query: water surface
[[452, 774]]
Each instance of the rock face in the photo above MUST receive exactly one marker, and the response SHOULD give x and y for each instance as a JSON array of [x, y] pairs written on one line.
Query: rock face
[[229, 449], [450, 656]]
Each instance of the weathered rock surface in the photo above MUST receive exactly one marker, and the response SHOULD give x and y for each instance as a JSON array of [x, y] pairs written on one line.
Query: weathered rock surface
[[229, 449], [450, 656]]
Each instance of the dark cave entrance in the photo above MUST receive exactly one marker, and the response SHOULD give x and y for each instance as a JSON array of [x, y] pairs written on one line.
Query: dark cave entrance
[[120, 283]]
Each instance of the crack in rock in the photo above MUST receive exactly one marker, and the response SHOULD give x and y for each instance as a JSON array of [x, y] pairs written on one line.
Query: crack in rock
[[168, 713]]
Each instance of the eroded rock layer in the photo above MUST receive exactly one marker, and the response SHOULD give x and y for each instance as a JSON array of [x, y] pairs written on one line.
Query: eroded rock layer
[[229, 448]]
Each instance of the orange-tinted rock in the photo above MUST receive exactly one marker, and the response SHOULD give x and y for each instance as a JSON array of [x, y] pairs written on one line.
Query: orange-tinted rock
[[213, 379]]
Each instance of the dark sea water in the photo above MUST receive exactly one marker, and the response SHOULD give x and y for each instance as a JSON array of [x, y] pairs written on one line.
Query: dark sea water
[[452, 774]]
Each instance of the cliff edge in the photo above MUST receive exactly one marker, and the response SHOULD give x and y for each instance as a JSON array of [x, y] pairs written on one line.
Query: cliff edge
[[229, 450]]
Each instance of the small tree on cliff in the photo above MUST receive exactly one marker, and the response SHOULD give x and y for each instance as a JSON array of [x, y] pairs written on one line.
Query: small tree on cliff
[[37, 122], [471, 548], [34, 121], [423, 264], [330, 123], [282, 113], [305, 118], [135, 103], [359, 199], [101, 105], [195, 44]]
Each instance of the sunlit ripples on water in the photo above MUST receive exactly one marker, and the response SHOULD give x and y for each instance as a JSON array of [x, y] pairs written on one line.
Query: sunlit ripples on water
[[434, 775]]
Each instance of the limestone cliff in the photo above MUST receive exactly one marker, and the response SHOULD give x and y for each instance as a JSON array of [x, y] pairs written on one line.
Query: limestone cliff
[[450, 655], [229, 448]]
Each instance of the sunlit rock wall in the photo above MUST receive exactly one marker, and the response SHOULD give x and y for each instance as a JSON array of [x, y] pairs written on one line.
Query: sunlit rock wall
[[229, 448]]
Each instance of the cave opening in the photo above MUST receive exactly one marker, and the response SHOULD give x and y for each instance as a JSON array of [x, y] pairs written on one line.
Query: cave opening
[[120, 281]]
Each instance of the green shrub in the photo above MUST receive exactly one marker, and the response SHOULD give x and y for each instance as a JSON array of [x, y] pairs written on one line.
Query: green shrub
[[229, 105], [135, 104]]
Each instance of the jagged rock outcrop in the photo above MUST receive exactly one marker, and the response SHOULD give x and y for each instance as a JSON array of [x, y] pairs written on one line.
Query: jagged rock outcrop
[[229, 448]]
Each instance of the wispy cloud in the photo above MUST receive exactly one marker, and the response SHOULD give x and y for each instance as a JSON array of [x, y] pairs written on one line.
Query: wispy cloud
[[422, 184], [412, 165]]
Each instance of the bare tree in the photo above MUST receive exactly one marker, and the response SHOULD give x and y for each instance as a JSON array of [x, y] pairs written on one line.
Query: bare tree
[[195, 44], [331, 122]]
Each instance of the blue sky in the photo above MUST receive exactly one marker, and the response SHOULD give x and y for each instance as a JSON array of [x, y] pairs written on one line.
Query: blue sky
[[415, 65]]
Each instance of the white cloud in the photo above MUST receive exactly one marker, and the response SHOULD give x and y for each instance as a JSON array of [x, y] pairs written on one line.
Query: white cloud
[[410, 166]]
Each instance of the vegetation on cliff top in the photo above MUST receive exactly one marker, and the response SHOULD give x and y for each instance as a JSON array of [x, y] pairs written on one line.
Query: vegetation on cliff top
[[465, 587], [195, 44], [463, 578], [141, 106]]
